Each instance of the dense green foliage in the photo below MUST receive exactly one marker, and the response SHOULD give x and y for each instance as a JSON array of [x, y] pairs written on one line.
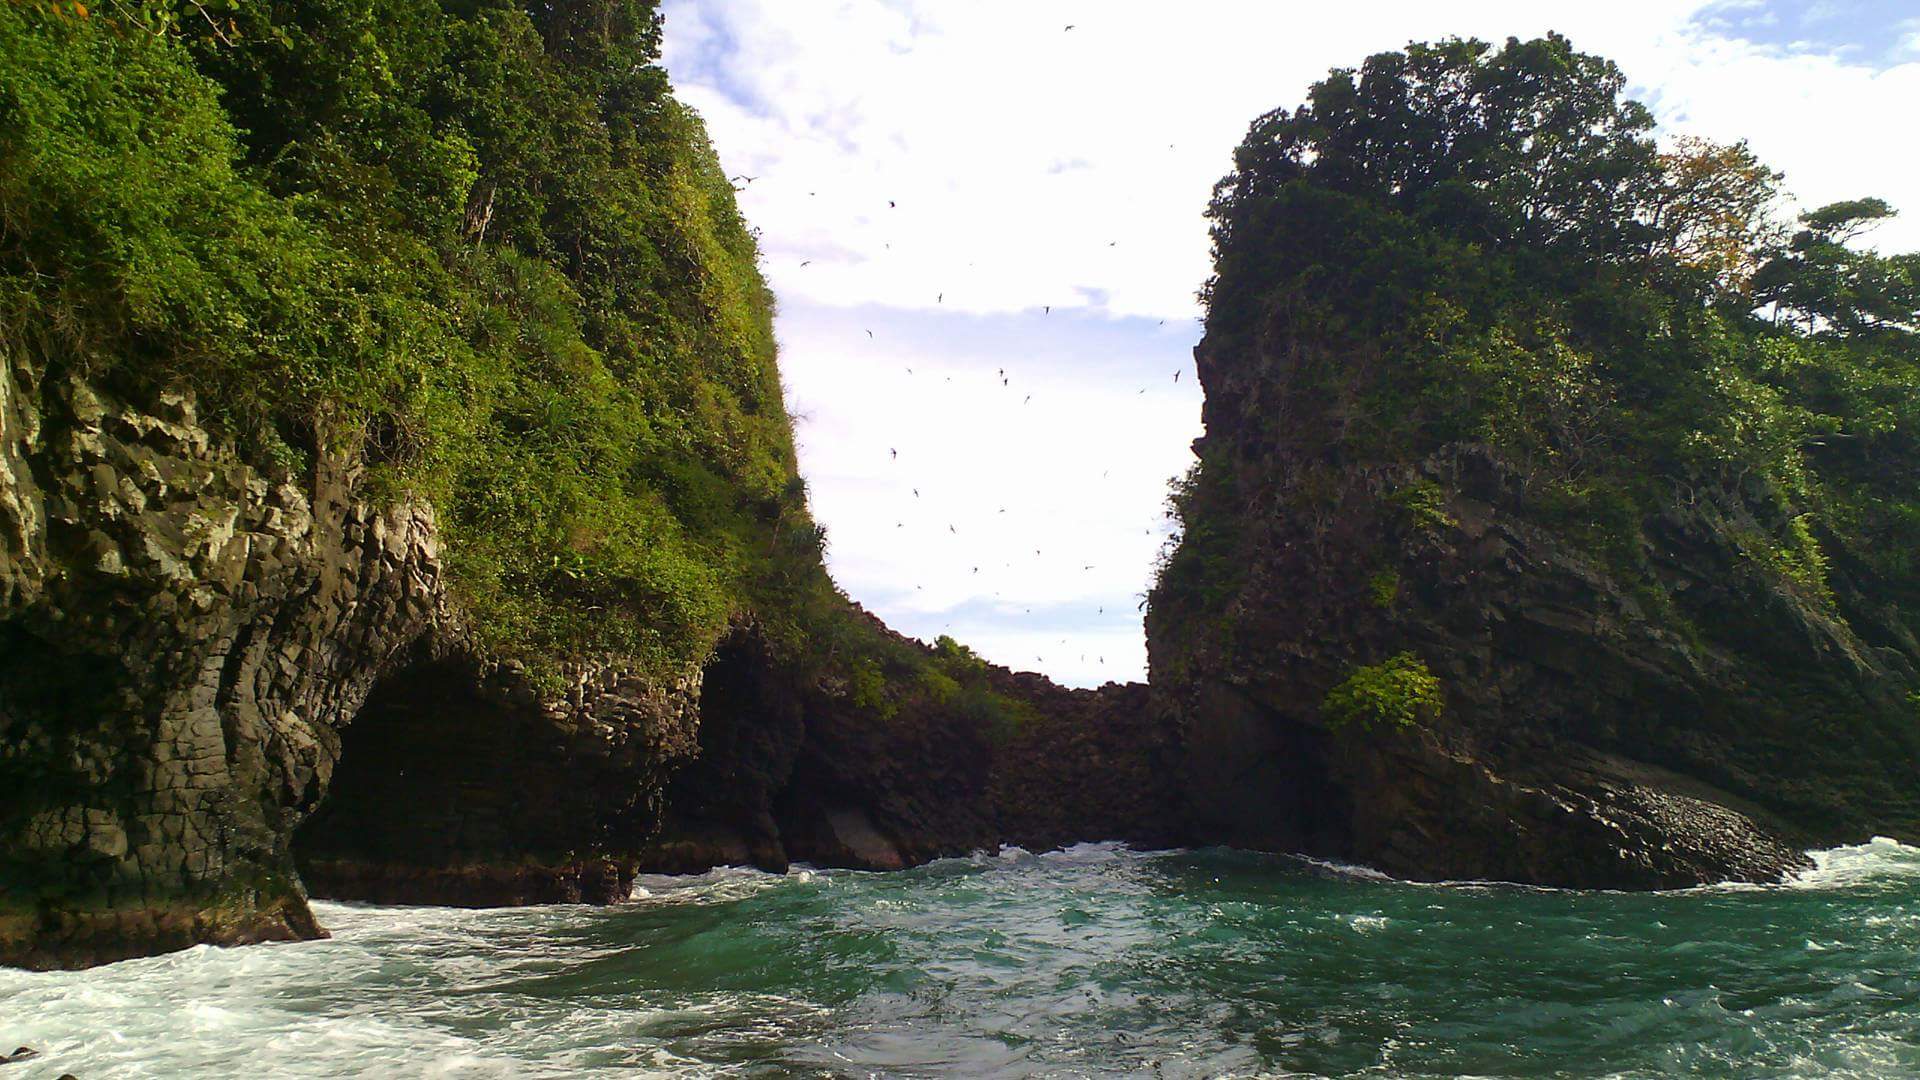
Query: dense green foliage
[[474, 245], [1460, 244], [1398, 692]]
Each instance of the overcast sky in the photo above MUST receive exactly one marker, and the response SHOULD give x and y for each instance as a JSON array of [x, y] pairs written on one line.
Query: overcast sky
[[932, 176]]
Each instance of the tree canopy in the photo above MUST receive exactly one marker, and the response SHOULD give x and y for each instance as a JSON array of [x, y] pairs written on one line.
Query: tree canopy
[[1462, 243]]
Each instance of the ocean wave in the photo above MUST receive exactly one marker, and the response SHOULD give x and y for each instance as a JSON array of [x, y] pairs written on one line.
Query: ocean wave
[[1879, 860]]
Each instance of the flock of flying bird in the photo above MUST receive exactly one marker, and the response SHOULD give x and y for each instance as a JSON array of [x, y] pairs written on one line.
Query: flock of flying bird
[[741, 182]]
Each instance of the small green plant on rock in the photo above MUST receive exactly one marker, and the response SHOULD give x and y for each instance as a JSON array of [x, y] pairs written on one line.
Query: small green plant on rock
[[1383, 588], [1425, 505], [1400, 692]]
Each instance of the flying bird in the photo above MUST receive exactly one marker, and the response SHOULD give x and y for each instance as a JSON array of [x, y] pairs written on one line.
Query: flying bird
[[1029, 398], [869, 334], [953, 530], [806, 262], [916, 493], [1176, 376], [1048, 309], [891, 204], [895, 453], [1069, 27], [940, 299]]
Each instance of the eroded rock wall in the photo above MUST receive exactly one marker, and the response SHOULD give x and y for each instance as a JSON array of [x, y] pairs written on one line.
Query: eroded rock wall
[[1705, 722], [186, 646], [791, 769], [181, 636]]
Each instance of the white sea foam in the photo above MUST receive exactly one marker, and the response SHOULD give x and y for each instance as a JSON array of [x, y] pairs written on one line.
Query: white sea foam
[[720, 885], [1880, 859]]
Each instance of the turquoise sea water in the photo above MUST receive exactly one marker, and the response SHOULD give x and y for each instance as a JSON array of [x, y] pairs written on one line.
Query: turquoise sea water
[[1097, 961]]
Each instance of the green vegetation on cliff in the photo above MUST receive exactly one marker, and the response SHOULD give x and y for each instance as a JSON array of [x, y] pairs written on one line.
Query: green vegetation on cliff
[[1468, 245], [474, 246]]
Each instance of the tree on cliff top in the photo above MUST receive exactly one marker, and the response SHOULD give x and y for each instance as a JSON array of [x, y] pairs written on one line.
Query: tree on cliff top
[[1458, 243], [475, 245]]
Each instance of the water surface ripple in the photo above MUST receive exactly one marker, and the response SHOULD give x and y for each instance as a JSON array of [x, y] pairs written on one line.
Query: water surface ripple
[[1097, 961]]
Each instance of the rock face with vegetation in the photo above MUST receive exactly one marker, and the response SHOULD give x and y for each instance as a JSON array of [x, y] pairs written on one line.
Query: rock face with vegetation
[[396, 494], [1556, 515]]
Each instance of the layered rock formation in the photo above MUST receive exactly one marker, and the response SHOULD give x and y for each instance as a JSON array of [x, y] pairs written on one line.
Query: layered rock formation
[[1518, 547], [187, 645], [793, 770]]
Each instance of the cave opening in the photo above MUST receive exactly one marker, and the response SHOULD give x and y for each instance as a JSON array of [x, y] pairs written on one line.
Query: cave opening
[[719, 807], [434, 779]]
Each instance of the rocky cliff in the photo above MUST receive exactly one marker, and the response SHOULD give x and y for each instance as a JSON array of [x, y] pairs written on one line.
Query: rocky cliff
[[397, 500], [1513, 550]]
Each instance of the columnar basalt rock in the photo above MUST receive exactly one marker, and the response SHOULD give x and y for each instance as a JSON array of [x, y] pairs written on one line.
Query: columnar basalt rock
[[180, 639], [185, 645]]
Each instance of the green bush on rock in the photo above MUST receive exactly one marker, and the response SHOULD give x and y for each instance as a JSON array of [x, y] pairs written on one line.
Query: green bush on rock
[[1399, 692]]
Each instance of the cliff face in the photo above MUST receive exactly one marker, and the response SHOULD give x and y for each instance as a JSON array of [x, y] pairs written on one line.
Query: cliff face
[[222, 689], [182, 637], [794, 769], [1514, 549], [399, 502], [187, 642]]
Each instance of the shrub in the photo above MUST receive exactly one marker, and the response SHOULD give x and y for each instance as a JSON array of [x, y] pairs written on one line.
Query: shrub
[[1400, 692]]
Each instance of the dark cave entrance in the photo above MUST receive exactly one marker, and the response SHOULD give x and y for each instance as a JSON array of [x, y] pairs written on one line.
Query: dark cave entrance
[[752, 724], [432, 774]]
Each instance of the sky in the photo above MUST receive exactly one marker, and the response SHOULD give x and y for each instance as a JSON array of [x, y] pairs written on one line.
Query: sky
[[984, 223]]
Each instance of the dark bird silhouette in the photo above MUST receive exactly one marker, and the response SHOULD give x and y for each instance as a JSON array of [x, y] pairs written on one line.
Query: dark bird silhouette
[[1029, 398], [1003, 509], [806, 262], [1176, 376], [1069, 27], [1089, 566], [1143, 389], [916, 493], [1048, 310], [953, 530], [940, 299], [909, 371], [1002, 372], [869, 333], [891, 204], [895, 453], [976, 569]]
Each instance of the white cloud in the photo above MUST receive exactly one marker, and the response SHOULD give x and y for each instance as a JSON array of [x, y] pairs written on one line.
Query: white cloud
[[1029, 165]]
